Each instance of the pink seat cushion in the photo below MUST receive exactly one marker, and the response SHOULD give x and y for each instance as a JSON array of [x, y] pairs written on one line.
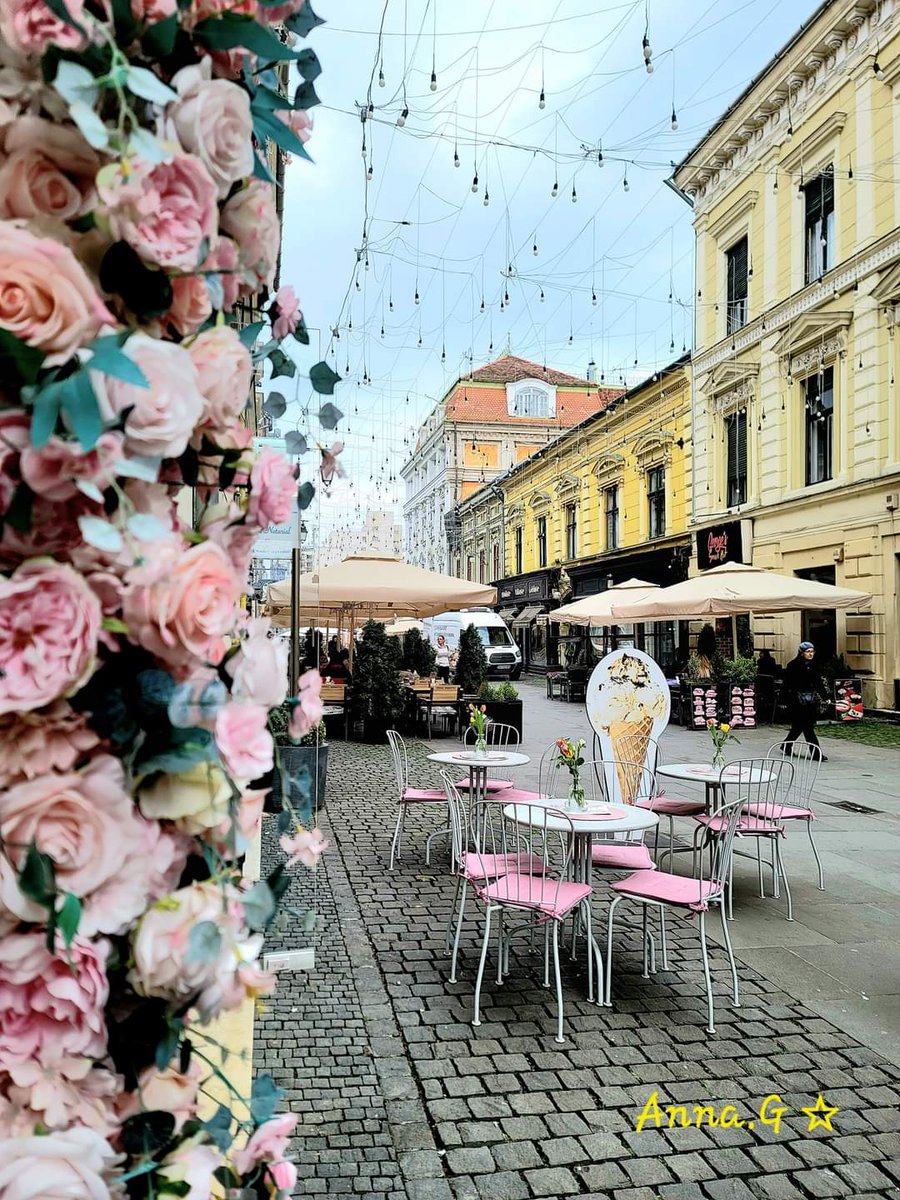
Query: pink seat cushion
[[424, 795], [782, 812], [680, 890], [521, 796], [672, 806], [626, 856], [493, 785], [478, 867], [552, 897], [746, 825]]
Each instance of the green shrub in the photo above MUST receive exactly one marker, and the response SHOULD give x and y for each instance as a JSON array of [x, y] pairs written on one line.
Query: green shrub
[[418, 654], [279, 723], [740, 669], [471, 665], [376, 694], [505, 693]]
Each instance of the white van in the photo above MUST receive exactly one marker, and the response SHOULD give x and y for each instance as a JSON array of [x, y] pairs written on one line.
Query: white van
[[503, 655]]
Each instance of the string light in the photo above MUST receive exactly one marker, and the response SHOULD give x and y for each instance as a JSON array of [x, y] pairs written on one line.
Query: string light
[[574, 195], [401, 120], [534, 248], [674, 119], [487, 198], [625, 185], [542, 103], [433, 84], [455, 157], [381, 76], [554, 191], [475, 183]]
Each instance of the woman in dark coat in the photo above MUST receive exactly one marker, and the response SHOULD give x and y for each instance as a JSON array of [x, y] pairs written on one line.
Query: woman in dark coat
[[803, 687]]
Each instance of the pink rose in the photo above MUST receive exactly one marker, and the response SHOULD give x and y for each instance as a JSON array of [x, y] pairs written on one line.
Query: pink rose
[[48, 172], [309, 710], [167, 964], [196, 800], [224, 258], [153, 11], [53, 532], [166, 1091], [224, 373], [306, 847], [260, 668], [70, 1092], [278, 13], [282, 1179], [250, 218], [49, 624], [286, 313], [224, 525], [191, 304], [50, 1010], [267, 1144], [87, 823], [165, 211], [53, 739], [273, 489], [181, 606], [46, 299], [58, 1166], [211, 118], [192, 1162], [163, 415], [30, 26], [55, 470], [15, 435], [244, 741]]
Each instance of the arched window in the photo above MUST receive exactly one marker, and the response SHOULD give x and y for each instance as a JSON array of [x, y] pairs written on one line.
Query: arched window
[[532, 402]]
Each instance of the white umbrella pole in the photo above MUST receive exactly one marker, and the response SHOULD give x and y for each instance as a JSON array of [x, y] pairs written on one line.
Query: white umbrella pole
[[295, 617]]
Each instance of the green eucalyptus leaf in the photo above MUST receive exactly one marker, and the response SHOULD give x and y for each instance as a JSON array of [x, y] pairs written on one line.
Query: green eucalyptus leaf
[[68, 918], [147, 1131], [231, 31], [80, 409], [219, 1128], [305, 97], [159, 39], [259, 906], [19, 361], [308, 65], [323, 379], [204, 942], [267, 125], [182, 749], [303, 22], [285, 821], [95, 132], [37, 879], [264, 1099], [275, 405], [147, 85], [167, 1047], [108, 357], [75, 82], [260, 170], [305, 494], [295, 443], [329, 416], [143, 144], [301, 333], [250, 333], [282, 365], [99, 533]]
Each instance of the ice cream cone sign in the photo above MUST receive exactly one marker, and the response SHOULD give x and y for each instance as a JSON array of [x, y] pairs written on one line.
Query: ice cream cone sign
[[628, 706]]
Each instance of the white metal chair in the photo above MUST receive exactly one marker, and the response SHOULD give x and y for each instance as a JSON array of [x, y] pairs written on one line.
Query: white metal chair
[[798, 801], [407, 795], [624, 851], [545, 897], [662, 890], [503, 737]]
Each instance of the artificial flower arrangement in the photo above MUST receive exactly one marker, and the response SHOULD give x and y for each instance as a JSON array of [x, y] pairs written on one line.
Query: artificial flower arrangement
[[569, 756], [479, 721], [721, 734], [138, 209]]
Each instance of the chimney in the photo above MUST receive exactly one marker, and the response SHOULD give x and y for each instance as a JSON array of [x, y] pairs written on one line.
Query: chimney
[[592, 372]]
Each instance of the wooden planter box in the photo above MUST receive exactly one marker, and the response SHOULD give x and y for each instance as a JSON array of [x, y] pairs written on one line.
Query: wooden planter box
[[294, 759]]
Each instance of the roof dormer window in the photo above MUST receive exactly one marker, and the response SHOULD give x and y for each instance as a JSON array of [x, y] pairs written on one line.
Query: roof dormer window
[[529, 398]]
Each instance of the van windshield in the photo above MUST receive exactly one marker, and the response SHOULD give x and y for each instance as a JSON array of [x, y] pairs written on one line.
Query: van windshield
[[494, 635]]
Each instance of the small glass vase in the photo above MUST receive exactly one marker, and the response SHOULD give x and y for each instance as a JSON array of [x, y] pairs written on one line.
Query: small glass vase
[[481, 747], [577, 798], [719, 760]]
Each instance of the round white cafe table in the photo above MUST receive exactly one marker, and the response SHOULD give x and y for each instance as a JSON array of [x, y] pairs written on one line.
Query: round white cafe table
[[479, 765]]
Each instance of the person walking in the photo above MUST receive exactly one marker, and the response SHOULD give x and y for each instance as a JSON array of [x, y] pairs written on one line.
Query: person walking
[[442, 659], [803, 685]]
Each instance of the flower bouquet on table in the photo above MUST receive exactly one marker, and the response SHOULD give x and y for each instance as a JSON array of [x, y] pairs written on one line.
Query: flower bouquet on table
[[138, 210], [570, 757], [479, 721], [721, 733]]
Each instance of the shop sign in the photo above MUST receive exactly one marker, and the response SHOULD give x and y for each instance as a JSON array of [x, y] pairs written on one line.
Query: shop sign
[[523, 589], [720, 544]]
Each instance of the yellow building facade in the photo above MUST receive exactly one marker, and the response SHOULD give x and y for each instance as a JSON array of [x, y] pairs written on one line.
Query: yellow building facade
[[796, 432], [605, 501]]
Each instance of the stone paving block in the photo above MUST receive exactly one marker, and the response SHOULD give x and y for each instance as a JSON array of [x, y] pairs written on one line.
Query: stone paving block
[[552, 1181], [822, 1183]]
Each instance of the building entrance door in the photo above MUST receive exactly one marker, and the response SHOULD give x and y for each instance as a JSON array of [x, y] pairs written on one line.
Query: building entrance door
[[820, 628]]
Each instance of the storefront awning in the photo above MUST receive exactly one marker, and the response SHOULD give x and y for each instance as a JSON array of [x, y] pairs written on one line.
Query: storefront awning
[[527, 615], [507, 614]]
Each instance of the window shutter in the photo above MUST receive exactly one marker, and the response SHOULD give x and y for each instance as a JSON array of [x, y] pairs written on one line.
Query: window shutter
[[741, 435]]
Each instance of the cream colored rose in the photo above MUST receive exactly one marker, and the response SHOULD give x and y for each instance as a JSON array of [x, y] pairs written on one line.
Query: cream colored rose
[[211, 118], [196, 799], [224, 372]]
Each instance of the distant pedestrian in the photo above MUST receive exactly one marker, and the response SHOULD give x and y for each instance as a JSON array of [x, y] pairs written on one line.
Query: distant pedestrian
[[803, 688], [767, 665], [442, 659]]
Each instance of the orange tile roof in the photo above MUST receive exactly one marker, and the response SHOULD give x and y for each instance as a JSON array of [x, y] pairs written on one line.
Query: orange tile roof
[[509, 369], [468, 402]]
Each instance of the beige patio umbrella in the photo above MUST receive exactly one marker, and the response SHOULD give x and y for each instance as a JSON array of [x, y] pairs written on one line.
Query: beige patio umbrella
[[373, 585], [734, 589], [597, 610], [403, 625]]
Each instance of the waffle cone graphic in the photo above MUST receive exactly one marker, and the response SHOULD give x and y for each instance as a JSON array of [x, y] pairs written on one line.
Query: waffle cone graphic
[[630, 740]]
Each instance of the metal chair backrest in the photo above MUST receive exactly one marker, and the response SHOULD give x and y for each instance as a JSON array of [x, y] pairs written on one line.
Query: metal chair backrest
[[760, 784], [546, 769], [636, 747], [506, 736], [444, 693], [722, 848], [401, 761], [459, 821], [623, 782], [541, 835], [806, 761]]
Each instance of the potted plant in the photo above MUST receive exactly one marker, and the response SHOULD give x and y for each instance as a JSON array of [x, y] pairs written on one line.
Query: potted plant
[[376, 694], [418, 654], [471, 665], [292, 758], [503, 705]]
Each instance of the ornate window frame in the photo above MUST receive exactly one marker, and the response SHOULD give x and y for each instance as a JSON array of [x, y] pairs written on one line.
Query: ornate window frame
[[515, 389]]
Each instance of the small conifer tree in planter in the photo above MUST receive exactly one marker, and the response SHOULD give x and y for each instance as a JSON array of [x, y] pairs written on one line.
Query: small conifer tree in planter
[[471, 665], [293, 758], [418, 654], [376, 694]]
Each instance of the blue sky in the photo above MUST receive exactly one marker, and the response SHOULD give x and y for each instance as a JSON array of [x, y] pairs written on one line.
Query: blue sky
[[428, 232]]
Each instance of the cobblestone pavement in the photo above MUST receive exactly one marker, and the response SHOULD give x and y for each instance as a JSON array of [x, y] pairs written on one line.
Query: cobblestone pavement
[[399, 1095]]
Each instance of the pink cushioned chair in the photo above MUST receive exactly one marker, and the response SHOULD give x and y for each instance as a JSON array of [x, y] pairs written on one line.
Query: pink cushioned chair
[[502, 737], [407, 795], [798, 801], [664, 891]]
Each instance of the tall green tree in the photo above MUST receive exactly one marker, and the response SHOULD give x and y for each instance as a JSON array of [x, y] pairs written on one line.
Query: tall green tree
[[376, 694], [472, 664], [418, 654]]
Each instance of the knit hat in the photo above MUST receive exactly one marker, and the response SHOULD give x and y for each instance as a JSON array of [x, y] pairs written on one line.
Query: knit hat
[[806, 646]]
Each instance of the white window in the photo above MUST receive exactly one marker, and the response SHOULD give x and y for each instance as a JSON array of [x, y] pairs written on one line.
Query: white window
[[530, 398]]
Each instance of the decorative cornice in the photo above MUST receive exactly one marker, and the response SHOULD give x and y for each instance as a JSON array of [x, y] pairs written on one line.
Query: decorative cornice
[[811, 330], [729, 376], [841, 279], [653, 446], [539, 499], [726, 403], [734, 214], [568, 485], [608, 463], [803, 156], [811, 359]]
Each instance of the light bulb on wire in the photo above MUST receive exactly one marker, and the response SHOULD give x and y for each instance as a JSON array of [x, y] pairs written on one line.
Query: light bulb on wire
[[380, 77], [369, 173], [534, 249], [542, 103], [594, 299], [674, 119], [554, 191], [625, 185], [433, 84], [487, 198], [455, 158], [600, 162], [574, 193], [401, 120], [416, 297], [475, 183]]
